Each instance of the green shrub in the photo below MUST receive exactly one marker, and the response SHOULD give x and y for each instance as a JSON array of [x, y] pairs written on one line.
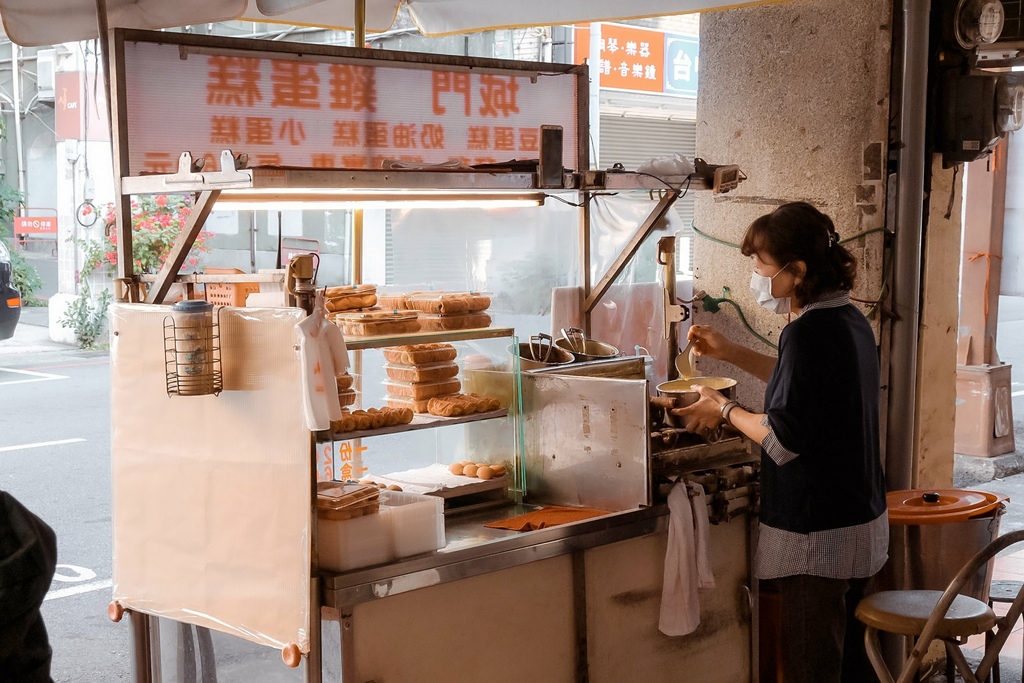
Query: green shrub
[[87, 318], [26, 279]]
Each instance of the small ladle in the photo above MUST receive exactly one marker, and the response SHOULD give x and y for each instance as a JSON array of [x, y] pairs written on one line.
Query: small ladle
[[684, 361]]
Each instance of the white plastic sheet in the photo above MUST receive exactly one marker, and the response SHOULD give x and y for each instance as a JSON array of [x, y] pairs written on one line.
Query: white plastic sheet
[[212, 494], [46, 22]]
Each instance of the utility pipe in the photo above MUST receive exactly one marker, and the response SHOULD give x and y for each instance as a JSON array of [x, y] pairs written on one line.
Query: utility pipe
[[594, 65], [18, 140], [360, 23], [901, 423]]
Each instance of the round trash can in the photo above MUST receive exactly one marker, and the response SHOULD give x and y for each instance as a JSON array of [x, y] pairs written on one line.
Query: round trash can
[[934, 533]]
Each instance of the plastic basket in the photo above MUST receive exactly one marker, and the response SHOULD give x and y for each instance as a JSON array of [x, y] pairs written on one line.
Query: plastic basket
[[229, 293]]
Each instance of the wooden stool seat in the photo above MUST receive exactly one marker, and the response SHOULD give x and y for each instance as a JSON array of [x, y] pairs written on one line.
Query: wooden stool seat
[[948, 617], [1004, 591], [1001, 591], [906, 612]]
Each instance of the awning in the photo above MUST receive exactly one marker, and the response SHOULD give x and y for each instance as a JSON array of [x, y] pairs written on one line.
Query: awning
[[46, 22]]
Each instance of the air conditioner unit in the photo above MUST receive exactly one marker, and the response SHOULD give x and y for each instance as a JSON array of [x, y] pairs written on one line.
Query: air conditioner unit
[[45, 64]]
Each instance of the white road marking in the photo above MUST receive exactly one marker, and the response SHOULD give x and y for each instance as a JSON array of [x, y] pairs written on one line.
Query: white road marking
[[78, 590], [41, 444], [1017, 393], [35, 376], [78, 574]]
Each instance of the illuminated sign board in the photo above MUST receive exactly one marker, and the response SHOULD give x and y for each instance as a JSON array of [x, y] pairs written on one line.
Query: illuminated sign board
[[324, 112]]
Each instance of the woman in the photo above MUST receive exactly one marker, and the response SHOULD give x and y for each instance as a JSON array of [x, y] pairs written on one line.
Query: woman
[[824, 529]]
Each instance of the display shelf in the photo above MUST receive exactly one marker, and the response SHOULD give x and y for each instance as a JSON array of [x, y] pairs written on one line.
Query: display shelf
[[421, 421], [381, 341]]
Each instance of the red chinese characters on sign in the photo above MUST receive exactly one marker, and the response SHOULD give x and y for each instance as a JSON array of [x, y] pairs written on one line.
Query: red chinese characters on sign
[[233, 81], [296, 84], [353, 88], [497, 94], [351, 465], [457, 83], [273, 109]]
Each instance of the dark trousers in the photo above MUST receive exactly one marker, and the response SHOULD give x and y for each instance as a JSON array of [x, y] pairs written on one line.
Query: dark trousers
[[822, 641]]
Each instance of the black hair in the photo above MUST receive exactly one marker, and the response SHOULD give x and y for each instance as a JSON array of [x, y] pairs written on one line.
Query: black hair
[[800, 232]]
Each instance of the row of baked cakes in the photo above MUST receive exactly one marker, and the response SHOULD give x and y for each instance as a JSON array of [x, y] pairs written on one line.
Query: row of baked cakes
[[425, 379], [362, 311]]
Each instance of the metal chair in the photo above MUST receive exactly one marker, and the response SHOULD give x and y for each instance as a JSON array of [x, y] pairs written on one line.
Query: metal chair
[[947, 616]]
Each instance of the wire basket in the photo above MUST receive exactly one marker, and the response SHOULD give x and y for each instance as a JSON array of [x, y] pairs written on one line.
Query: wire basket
[[192, 360]]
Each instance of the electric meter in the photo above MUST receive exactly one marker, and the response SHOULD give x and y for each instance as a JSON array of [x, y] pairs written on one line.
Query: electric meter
[[978, 22]]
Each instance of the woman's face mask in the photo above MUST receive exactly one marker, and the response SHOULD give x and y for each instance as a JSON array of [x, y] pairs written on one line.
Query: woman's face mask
[[761, 286]]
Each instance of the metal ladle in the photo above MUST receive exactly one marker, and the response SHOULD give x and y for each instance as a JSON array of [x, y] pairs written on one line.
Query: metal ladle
[[541, 347], [684, 361], [575, 338]]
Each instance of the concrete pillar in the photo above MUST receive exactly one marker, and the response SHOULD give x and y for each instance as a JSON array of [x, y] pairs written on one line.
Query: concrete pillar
[[935, 402], [797, 94], [984, 414], [984, 209]]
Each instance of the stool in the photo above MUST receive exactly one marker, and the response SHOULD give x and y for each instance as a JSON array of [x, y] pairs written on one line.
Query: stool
[[1002, 591]]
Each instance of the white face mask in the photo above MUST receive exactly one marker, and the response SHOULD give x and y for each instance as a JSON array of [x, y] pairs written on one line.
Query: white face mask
[[761, 286]]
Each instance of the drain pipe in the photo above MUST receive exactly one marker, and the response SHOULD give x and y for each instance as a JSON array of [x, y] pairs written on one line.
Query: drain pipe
[[19, 143], [900, 423]]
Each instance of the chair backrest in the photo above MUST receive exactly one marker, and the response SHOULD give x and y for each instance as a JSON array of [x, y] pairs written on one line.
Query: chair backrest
[[955, 586]]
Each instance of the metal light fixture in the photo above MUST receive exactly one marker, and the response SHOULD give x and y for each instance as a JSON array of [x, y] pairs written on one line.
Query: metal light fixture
[[305, 199]]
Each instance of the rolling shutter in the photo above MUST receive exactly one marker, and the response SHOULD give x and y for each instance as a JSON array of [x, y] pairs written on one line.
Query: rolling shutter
[[631, 141]]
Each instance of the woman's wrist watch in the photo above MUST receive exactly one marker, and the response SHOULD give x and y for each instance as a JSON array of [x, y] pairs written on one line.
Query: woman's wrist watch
[[726, 409]]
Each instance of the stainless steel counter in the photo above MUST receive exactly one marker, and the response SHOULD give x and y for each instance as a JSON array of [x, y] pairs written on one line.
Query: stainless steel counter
[[473, 549]]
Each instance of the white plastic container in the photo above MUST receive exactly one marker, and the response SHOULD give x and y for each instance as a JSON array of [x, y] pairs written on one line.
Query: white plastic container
[[407, 524], [352, 543], [417, 522]]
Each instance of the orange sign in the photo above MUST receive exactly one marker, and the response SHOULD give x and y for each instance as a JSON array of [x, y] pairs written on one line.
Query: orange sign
[[281, 111], [35, 225], [631, 58]]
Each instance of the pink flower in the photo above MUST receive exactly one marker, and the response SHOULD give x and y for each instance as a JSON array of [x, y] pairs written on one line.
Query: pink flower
[[161, 200]]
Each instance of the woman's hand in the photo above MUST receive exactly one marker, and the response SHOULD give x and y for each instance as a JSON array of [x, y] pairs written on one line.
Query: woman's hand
[[707, 341], [706, 414]]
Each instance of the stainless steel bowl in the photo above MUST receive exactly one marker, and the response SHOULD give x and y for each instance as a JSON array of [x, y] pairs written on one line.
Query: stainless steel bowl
[[592, 350], [557, 356], [682, 390]]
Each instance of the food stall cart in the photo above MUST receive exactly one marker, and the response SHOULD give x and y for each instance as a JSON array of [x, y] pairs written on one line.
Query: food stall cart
[[215, 489]]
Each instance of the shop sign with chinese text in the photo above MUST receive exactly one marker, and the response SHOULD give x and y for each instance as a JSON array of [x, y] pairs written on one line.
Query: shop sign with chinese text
[[333, 112], [643, 59]]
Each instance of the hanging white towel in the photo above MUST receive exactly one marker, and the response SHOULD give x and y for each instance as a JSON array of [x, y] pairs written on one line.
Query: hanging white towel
[[702, 537], [687, 562], [680, 607], [320, 348]]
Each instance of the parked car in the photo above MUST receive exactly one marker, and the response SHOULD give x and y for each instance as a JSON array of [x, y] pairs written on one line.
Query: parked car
[[10, 297]]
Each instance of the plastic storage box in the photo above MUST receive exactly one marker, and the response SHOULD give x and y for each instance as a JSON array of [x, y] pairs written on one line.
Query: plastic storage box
[[353, 543], [407, 524], [417, 522]]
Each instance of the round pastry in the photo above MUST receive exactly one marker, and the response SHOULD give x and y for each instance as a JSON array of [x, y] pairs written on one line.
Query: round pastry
[[498, 470], [456, 468], [469, 470], [484, 472], [394, 487]]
